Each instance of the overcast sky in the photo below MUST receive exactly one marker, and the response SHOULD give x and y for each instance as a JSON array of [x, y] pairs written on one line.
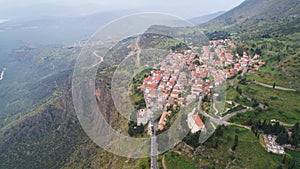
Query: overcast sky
[[12, 9]]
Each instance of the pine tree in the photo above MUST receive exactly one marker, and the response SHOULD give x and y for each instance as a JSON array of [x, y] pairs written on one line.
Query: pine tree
[[235, 144], [283, 138], [284, 159]]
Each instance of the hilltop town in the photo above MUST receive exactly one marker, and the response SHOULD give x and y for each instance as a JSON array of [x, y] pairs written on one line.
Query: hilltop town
[[184, 76]]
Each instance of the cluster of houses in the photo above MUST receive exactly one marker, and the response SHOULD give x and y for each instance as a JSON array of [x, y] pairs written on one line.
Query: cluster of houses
[[219, 53], [271, 145], [182, 77], [177, 82]]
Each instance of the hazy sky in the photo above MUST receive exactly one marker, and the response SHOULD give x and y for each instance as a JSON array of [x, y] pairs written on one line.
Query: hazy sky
[[36, 8]]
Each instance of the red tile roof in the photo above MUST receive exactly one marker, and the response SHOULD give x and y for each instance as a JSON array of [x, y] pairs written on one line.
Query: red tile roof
[[198, 120], [153, 85]]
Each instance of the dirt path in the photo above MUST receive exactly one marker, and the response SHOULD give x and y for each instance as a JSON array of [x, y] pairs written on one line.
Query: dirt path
[[138, 50], [163, 163], [238, 125], [276, 87]]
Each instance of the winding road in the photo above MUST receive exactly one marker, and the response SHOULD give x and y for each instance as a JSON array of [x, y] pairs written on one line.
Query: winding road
[[2, 75], [96, 64]]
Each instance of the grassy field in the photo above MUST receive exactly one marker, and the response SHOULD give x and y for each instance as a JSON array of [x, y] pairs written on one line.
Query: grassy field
[[248, 154], [282, 105]]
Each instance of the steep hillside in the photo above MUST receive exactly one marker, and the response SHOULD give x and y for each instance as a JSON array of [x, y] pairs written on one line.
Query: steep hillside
[[254, 18], [32, 75]]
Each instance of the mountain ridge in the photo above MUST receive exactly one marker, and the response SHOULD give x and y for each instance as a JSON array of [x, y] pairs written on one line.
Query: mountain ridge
[[206, 18], [261, 17]]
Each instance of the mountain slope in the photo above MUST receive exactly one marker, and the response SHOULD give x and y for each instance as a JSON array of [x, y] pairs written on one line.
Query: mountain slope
[[205, 18], [259, 17], [271, 27]]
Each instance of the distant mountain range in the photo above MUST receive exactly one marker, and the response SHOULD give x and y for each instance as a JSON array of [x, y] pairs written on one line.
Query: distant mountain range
[[205, 18], [53, 30], [62, 30]]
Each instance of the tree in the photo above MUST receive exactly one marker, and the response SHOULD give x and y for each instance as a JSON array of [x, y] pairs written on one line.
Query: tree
[[283, 138], [268, 130], [295, 138], [258, 124], [192, 139], [295, 128], [219, 131], [134, 130], [235, 144], [240, 50], [274, 84], [283, 159], [258, 51], [277, 128], [250, 123], [197, 63], [254, 103]]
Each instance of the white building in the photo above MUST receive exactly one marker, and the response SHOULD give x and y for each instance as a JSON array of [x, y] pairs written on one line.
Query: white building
[[194, 122]]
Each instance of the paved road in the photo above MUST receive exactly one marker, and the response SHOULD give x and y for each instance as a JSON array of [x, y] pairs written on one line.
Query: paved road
[[222, 120], [276, 87], [154, 152], [154, 146], [228, 116]]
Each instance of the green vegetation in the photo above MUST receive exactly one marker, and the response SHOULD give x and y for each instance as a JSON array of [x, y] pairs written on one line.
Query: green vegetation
[[192, 139], [282, 58], [282, 105], [134, 130], [236, 142], [33, 78], [267, 127], [218, 152], [176, 161], [137, 95], [217, 35], [233, 95], [257, 18], [170, 119], [248, 151], [237, 108], [295, 161]]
